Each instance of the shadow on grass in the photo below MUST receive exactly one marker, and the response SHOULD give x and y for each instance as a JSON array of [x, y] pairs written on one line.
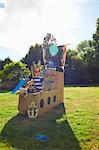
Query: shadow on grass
[[19, 132]]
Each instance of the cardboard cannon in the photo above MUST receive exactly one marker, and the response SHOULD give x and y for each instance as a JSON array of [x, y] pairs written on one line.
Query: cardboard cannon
[[37, 103]]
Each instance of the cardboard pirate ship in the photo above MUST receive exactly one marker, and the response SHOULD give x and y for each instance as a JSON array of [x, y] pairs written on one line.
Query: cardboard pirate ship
[[37, 103]]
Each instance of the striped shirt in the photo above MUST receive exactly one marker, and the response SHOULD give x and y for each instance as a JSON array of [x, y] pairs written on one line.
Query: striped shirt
[[38, 83]]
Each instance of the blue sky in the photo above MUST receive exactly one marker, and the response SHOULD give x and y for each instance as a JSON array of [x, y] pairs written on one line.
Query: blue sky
[[24, 23]]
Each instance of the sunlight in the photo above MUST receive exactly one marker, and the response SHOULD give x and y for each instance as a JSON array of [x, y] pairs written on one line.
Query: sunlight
[[21, 31]]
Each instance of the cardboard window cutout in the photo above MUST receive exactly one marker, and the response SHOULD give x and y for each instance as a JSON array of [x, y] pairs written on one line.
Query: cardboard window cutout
[[42, 103], [49, 100], [54, 99]]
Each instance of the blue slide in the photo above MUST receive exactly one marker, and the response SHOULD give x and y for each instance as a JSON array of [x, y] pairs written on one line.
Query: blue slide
[[18, 86]]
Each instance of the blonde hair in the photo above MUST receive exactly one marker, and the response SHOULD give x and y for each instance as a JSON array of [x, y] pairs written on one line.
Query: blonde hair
[[31, 81]]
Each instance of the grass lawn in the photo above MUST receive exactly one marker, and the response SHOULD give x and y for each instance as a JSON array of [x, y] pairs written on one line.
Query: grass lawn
[[77, 129]]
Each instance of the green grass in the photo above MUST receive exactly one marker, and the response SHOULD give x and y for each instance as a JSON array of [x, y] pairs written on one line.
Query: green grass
[[77, 129]]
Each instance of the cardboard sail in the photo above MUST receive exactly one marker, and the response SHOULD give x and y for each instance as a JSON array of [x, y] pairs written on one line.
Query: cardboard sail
[[55, 56]]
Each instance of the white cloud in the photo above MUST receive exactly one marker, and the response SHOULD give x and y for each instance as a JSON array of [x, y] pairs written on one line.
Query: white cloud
[[24, 23], [81, 1], [2, 16]]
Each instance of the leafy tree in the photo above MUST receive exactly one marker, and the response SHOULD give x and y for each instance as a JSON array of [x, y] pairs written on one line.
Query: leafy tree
[[13, 72], [74, 68], [3, 62], [87, 53], [80, 62], [34, 55], [74, 60], [95, 68], [81, 47], [96, 41]]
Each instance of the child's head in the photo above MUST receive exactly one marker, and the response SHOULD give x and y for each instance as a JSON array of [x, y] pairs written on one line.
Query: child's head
[[30, 84], [37, 72]]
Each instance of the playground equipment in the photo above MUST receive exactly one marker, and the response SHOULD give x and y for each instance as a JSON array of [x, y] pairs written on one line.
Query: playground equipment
[[20, 84], [37, 103]]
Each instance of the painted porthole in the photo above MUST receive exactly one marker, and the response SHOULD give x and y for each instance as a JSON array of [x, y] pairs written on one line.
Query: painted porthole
[[49, 100], [54, 99], [41, 103]]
